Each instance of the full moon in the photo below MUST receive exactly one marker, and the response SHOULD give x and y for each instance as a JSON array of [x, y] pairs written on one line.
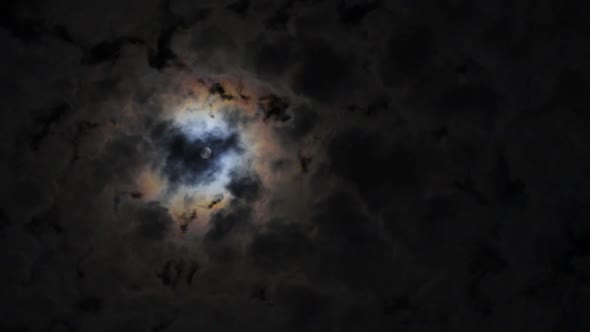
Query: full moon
[[205, 153]]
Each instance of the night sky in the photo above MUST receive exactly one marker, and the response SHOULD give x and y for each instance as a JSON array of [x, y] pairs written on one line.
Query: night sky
[[374, 165]]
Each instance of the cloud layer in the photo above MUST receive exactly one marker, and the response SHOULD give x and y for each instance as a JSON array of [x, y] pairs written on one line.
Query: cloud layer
[[375, 166]]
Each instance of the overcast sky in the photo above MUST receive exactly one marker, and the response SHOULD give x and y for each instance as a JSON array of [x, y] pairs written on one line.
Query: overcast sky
[[375, 165]]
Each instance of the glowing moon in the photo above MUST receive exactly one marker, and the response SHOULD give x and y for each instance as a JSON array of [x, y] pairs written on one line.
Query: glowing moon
[[205, 153]]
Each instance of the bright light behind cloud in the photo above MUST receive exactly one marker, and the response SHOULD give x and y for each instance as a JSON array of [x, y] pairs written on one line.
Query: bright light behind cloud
[[242, 140], [199, 123]]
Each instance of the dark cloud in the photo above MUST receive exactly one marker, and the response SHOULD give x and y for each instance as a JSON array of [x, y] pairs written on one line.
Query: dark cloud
[[192, 270], [467, 186], [185, 13], [222, 239], [409, 53], [162, 55], [108, 51], [281, 247], [217, 89], [153, 222], [172, 272], [240, 7], [304, 119], [304, 162], [22, 20], [76, 134], [346, 237], [260, 294], [215, 201], [274, 108], [47, 221], [44, 123], [509, 189], [379, 172], [324, 74], [307, 307], [225, 239], [246, 188], [158, 58], [90, 304], [569, 91], [217, 47], [376, 107], [122, 156], [273, 58], [487, 260], [353, 14], [281, 16], [4, 222]]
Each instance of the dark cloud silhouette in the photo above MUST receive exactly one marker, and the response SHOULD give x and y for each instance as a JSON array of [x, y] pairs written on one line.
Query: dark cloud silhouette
[[487, 260], [227, 226], [246, 188], [21, 19], [303, 120], [45, 122], [153, 222], [281, 247], [304, 162], [353, 14], [274, 108], [107, 51], [217, 89], [4, 222], [324, 75], [172, 272], [274, 57], [409, 53], [356, 157], [90, 304], [306, 306], [374, 108], [215, 201], [240, 7], [162, 55], [48, 221], [280, 18]]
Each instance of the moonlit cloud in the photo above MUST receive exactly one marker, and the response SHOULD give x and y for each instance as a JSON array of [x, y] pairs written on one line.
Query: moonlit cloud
[[242, 142]]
